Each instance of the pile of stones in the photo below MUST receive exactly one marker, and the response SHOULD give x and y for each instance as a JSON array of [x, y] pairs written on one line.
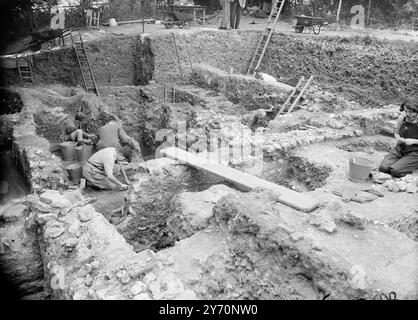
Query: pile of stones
[[408, 184]]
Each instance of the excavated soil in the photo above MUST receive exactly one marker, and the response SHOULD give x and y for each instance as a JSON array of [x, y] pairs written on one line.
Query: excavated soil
[[407, 225], [10, 102], [153, 204], [369, 71]]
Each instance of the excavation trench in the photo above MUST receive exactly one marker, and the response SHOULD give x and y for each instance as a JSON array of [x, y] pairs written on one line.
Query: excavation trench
[[168, 203]]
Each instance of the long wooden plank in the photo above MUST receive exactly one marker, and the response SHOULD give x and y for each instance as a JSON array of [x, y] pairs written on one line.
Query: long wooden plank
[[131, 22], [244, 180]]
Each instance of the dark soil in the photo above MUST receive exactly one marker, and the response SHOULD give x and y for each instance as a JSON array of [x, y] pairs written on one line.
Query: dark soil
[[364, 144], [10, 102], [407, 225]]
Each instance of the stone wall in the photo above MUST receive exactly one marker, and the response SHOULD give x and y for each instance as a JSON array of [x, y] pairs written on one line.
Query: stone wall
[[31, 153], [103, 266], [20, 257]]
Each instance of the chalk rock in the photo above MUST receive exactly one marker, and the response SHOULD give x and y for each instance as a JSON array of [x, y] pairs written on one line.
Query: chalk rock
[[411, 188], [142, 296], [138, 288], [70, 243], [358, 277], [401, 185], [149, 277], [88, 281], [86, 213], [391, 185], [380, 177], [74, 227], [395, 188], [43, 218], [54, 232], [323, 222], [408, 178], [123, 276], [335, 124], [54, 199], [73, 195]]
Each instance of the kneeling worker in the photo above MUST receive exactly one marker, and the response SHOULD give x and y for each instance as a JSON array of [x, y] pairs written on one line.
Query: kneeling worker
[[98, 170], [403, 158]]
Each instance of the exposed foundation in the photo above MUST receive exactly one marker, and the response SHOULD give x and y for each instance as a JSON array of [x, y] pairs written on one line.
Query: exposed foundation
[[192, 235]]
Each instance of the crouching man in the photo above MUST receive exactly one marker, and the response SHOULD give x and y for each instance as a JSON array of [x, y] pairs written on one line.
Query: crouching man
[[98, 170]]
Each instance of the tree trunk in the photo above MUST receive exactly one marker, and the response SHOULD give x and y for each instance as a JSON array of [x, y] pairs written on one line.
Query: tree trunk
[[338, 14], [368, 12]]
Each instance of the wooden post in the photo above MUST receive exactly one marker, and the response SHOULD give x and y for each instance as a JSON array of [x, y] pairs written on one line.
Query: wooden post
[[177, 54], [368, 12], [143, 19], [338, 14]]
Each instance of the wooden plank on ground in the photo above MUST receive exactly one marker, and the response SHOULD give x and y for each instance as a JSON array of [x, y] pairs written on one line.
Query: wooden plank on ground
[[131, 22], [244, 180]]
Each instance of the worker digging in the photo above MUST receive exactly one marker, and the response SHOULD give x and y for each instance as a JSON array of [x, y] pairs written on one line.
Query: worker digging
[[209, 150]]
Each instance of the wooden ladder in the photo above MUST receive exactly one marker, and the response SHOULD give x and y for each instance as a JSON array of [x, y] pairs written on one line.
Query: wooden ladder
[[265, 37], [178, 56], [301, 87], [85, 67], [169, 93], [25, 70]]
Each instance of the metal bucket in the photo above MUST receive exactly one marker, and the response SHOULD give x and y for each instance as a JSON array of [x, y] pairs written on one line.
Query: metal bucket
[[359, 169], [75, 172], [84, 152], [68, 150]]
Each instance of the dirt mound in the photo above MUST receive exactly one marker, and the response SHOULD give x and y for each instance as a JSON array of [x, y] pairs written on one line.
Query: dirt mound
[[371, 72]]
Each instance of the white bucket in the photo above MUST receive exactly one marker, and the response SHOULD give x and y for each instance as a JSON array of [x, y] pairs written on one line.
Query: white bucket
[[112, 22]]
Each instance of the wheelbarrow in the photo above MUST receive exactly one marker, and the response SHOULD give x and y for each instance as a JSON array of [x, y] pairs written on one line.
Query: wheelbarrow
[[47, 36], [180, 19], [311, 23]]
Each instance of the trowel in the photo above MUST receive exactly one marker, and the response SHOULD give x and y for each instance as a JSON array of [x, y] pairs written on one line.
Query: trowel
[[356, 196]]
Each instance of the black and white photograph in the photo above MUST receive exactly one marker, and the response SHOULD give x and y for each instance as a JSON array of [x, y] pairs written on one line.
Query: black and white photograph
[[208, 155]]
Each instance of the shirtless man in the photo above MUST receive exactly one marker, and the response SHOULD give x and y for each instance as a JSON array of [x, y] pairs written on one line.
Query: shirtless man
[[112, 135]]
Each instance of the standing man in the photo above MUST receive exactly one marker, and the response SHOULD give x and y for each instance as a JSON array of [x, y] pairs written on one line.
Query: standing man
[[236, 8], [226, 14]]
